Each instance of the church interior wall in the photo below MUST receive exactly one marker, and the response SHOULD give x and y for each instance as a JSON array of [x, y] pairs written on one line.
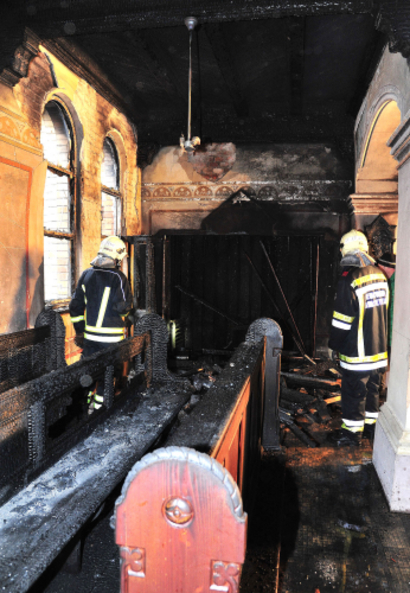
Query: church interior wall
[[253, 191], [23, 174]]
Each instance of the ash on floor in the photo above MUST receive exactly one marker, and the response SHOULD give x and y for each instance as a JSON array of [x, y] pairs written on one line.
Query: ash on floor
[[100, 565]]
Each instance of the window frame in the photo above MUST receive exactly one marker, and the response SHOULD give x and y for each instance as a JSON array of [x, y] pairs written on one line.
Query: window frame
[[115, 193], [71, 174]]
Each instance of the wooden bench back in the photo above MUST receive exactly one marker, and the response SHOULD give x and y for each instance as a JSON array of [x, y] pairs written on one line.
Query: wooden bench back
[[180, 525], [31, 353]]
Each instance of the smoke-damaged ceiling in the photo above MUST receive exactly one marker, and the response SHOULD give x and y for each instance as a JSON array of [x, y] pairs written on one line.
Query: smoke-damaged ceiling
[[262, 71]]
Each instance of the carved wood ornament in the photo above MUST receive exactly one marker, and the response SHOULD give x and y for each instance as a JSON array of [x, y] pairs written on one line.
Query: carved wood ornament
[[132, 563], [225, 576], [180, 525]]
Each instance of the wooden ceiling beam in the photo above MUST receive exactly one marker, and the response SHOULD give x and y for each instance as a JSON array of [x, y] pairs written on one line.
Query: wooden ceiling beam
[[296, 45], [76, 17], [163, 65], [226, 66], [147, 53]]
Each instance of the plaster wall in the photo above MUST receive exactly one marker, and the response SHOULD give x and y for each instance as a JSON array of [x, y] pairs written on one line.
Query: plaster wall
[[20, 172], [22, 179], [386, 105], [400, 359], [391, 453]]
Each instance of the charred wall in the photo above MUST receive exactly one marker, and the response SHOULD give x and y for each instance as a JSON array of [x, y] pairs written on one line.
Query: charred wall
[[179, 192], [217, 208]]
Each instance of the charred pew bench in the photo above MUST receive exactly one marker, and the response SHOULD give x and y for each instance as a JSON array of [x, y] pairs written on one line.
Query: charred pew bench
[[239, 413], [179, 522], [59, 464], [28, 354]]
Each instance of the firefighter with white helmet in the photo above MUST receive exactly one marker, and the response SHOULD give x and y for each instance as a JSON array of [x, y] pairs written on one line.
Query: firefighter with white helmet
[[101, 304], [359, 335], [353, 241], [112, 248]]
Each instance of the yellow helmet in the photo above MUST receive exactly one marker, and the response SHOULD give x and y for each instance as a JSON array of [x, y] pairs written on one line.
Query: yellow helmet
[[353, 241], [113, 247]]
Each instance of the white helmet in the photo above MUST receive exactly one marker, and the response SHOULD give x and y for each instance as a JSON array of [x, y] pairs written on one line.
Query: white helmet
[[113, 247], [353, 241]]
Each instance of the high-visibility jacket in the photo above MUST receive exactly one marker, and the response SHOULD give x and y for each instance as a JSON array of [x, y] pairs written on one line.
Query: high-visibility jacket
[[392, 282], [100, 305], [359, 324]]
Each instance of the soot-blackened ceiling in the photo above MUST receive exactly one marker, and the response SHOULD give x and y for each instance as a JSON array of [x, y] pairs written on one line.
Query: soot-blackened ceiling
[[262, 71]]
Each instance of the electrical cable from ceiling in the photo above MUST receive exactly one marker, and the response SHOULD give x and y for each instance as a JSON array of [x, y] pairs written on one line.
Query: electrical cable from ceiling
[[189, 144]]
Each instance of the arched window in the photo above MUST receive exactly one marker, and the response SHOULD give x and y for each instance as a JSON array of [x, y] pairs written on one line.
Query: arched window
[[59, 204], [111, 196]]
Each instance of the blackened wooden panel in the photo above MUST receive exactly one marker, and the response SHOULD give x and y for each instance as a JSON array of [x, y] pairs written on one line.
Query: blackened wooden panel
[[215, 269]]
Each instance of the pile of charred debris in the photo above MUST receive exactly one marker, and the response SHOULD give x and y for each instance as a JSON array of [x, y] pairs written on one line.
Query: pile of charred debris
[[202, 372], [310, 393], [310, 400]]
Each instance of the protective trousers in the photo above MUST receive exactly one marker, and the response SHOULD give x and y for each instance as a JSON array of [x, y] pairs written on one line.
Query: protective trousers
[[360, 399], [95, 397]]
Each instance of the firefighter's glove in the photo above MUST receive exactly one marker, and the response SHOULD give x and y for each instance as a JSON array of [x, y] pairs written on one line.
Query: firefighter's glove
[[131, 319], [332, 354], [79, 340]]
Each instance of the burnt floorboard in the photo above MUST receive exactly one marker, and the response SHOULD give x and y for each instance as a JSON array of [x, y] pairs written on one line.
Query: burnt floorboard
[[320, 523], [336, 530]]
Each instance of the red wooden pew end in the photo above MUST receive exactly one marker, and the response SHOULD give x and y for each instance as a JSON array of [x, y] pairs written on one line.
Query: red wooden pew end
[[180, 525]]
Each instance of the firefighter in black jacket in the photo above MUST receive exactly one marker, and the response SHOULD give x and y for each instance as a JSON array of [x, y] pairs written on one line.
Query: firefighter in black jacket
[[359, 334], [100, 305]]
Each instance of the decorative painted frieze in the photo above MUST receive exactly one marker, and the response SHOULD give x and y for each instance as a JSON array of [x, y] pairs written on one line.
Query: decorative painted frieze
[[277, 191]]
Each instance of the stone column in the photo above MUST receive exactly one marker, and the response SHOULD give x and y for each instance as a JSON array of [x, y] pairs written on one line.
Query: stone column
[[391, 452]]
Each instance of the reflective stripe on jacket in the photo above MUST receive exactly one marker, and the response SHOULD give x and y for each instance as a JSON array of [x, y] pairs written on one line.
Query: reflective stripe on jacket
[[359, 324], [100, 305]]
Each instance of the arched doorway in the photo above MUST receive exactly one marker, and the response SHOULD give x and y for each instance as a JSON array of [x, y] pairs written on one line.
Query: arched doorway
[[376, 180]]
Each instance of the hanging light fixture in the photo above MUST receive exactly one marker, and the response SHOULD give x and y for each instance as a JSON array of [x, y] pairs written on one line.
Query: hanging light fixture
[[189, 144]]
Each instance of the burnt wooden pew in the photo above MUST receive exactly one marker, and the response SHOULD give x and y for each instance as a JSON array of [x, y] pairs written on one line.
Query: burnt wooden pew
[[40, 520], [37, 523], [179, 522], [42, 419], [239, 414], [73, 463], [31, 353]]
